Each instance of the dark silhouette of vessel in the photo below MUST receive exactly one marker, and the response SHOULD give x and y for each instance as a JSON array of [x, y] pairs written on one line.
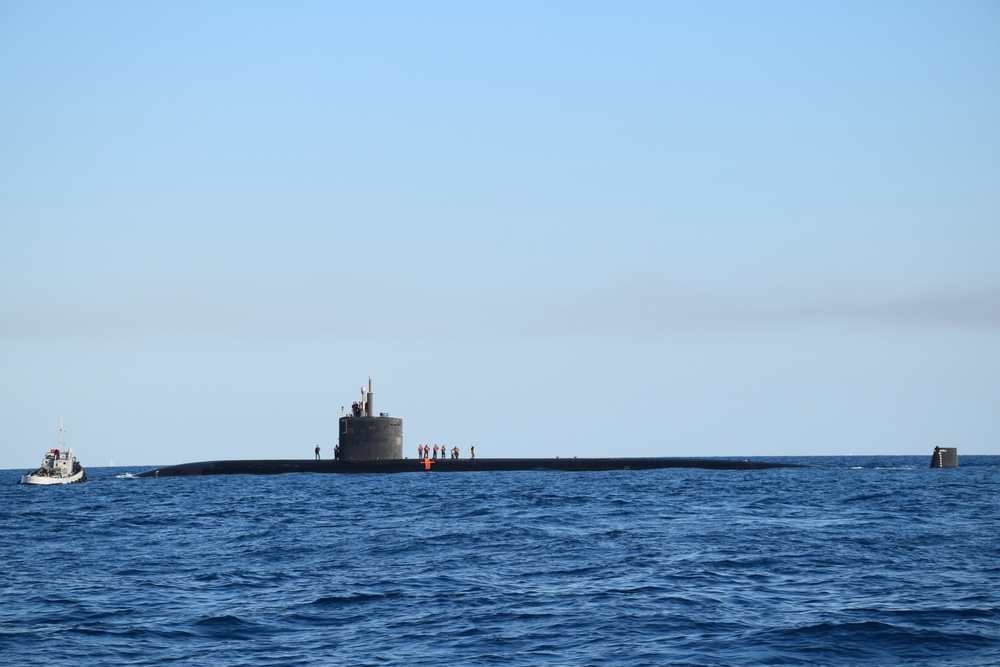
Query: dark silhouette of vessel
[[370, 444], [944, 457]]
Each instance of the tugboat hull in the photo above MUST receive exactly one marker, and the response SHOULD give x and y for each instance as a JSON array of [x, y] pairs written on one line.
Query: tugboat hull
[[45, 480]]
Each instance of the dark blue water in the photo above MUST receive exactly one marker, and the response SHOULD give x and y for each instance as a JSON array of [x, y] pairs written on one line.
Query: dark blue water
[[854, 561]]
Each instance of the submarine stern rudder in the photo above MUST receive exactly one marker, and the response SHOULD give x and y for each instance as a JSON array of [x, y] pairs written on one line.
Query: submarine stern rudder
[[944, 457]]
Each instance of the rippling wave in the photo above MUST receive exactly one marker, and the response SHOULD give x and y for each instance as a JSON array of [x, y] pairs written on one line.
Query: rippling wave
[[861, 561]]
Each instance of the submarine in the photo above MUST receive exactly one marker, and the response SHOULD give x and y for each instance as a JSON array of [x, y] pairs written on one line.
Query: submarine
[[370, 444]]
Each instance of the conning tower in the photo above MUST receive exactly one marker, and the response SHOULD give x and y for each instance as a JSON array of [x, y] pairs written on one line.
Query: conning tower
[[365, 437]]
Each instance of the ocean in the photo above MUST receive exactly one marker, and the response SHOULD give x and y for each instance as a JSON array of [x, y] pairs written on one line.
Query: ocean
[[850, 561]]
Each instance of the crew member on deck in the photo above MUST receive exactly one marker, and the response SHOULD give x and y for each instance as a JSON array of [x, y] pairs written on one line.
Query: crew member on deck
[[472, 451], [435, 452], [336, 451], [317, 452]]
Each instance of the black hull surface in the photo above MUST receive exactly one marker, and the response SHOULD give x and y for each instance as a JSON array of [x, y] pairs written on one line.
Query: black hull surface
[[274, 467]]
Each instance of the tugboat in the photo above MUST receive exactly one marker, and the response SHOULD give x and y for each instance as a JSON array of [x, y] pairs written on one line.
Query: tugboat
[[58, 467]]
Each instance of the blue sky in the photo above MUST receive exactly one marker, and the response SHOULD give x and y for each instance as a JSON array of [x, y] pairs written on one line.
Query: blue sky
[[552, 229]]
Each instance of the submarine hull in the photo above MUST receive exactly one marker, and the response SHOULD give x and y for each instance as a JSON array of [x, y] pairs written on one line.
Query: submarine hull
[[383, 466]]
